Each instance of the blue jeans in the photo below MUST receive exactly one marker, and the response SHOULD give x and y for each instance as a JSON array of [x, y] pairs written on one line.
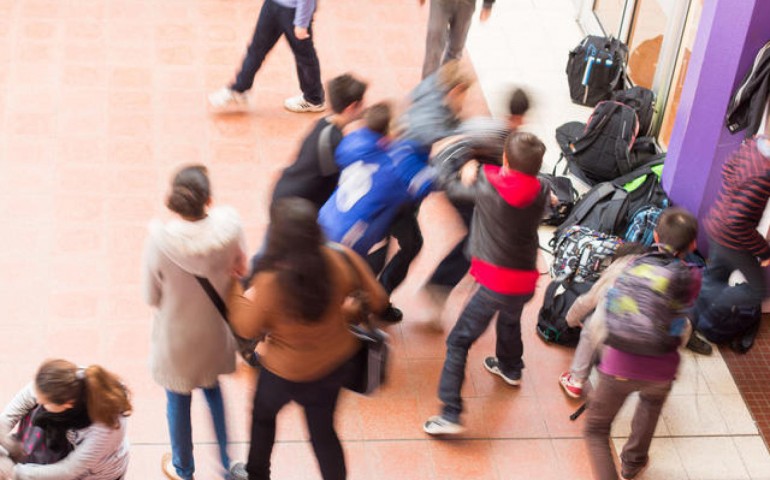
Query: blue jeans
[[180, 428], [473, 322], [276, 20]]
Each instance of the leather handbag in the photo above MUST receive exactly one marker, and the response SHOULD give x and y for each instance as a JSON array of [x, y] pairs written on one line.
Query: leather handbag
[[368, 367]]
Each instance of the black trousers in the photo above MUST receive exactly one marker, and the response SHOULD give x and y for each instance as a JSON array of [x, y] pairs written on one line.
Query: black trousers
[[276, 20], [723, 261], [407, 233], [319, 399], [456, 264]]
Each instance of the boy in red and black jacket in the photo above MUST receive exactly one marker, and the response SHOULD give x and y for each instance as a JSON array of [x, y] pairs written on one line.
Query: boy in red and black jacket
[[503, 247]]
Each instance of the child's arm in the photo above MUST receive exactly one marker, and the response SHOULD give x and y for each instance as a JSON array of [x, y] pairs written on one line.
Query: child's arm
[[464, 186]]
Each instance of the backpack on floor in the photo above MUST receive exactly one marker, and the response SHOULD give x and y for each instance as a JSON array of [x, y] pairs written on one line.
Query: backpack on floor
[[595, 69], [604, 209], [642, 100], [724, 313], [581, 254], [602, 152], [646, 306], [642, 225], [644, 188], [552, 317], [566, 195]]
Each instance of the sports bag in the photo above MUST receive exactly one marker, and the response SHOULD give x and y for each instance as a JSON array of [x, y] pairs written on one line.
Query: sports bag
[[604, 208], [646, 306], [581, 254], [642, 100], [643, 187], [566, 196], [596, 68], [724, 313], [642, 225], [552, 317], [36, 446], [603, 152]]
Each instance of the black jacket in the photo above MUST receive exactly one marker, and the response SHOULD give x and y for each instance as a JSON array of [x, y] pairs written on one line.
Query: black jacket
[[748, 103]]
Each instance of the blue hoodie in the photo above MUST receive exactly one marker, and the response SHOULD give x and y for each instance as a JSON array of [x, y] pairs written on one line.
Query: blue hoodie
[[376, 180]]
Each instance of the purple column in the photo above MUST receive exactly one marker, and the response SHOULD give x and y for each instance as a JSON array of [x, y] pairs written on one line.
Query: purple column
[[729, 35]]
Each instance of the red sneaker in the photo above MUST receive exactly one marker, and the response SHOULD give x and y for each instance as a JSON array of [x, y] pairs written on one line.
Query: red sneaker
[[572, 386]]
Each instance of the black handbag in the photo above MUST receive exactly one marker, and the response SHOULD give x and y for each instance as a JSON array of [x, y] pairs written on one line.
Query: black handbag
[[36, 445], [368, 367]]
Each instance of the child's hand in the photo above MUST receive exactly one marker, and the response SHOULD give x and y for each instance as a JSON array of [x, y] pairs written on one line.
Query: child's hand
[[469, 173]]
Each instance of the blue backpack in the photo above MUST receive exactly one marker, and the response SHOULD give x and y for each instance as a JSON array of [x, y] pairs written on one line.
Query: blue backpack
[[642, 225]]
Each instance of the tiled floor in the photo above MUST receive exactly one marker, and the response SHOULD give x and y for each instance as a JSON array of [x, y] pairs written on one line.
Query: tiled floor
[[101, 99]]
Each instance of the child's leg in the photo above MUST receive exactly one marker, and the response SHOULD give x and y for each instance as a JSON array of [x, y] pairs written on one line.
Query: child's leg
[[509, 347], [473, 321], [585, 353]]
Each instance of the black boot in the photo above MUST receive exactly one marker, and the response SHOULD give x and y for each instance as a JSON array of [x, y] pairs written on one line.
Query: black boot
[[699, 345]]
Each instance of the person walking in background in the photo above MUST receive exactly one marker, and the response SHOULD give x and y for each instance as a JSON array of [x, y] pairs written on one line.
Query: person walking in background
[[646, 312], [292, 19], [448, 25], [503, 245], [82, 414], [191, 343], [297, 303]]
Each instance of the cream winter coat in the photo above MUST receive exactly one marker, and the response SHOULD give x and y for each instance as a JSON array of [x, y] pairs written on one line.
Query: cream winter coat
[[191, 344]]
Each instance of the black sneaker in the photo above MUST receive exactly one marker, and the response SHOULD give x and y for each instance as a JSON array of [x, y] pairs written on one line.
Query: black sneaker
[[699, 345], [392, 314], [493, 366]]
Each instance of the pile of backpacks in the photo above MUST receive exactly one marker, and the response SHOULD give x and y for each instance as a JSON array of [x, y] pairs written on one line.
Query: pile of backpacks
[[613, 154]]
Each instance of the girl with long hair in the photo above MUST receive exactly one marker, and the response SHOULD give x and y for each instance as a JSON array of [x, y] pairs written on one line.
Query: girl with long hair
[[81, 413], [297, 301]]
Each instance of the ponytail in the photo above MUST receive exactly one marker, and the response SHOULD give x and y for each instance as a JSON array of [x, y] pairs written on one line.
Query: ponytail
[[107, 399]]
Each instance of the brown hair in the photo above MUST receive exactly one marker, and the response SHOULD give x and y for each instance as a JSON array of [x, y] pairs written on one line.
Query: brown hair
[[343, 91], [677, 228], [518, 103], [190, 192], [377, 118], [107, 399], [524, 152], [451, 75]]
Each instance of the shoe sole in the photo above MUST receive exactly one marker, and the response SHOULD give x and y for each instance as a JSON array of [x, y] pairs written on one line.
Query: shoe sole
[[495, 371], [305, 110], [568, 393], [454, 431]]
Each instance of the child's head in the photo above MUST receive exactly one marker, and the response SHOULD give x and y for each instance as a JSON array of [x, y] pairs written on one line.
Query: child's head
[[60, 385], [455, 81], [678, 229], [518, 105], [524, 152], [190, 192], [377, 118], [345, 91]]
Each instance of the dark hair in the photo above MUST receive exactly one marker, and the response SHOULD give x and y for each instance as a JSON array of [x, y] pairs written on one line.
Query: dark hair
[[677, 228], [344, 91], [105, 396], [518, 104], [377, 117], [524, 152], [190, 192], [294, 252]]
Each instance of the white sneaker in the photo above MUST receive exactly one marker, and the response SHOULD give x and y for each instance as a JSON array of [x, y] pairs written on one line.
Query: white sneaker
[[228, 99], [298, 104], [438, 425]]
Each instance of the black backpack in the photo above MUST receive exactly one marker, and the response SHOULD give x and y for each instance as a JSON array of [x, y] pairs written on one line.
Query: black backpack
[[552, 319], [602, 152], [608, 207], [595, 69], [566, 194], [724, 313], [642, 100]]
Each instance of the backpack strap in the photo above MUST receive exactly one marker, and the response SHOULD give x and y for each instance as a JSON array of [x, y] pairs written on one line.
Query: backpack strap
[[326, 162], [214, 296], [587, 140]]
